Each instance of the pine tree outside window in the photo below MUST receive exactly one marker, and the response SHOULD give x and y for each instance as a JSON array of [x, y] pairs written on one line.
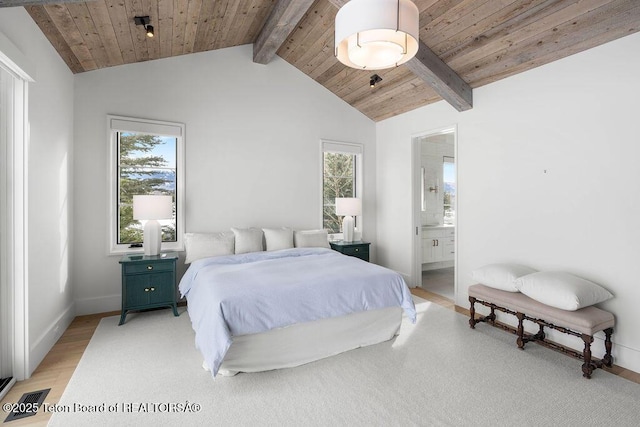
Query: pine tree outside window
[[146, 158], [341, 177]]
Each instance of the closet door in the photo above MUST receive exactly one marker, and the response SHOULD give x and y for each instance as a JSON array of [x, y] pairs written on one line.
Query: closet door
[[6, 123]]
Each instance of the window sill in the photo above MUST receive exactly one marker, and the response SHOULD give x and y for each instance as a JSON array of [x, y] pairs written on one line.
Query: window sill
[[166, 247]]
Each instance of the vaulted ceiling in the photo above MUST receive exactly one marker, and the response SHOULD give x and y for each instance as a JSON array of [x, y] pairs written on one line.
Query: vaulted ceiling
[[465, 44]]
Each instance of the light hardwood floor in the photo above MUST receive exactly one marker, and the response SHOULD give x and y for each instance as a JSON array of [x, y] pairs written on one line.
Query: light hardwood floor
[[56, 369]]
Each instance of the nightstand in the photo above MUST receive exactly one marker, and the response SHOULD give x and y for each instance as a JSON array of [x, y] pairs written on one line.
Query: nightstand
[[357, 249], [148, 281]]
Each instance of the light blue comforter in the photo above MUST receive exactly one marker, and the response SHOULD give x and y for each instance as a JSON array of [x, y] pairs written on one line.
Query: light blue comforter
[[255, 292]]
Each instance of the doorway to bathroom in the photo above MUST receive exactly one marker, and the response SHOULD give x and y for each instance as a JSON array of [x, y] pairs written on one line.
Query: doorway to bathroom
[[435, 201]]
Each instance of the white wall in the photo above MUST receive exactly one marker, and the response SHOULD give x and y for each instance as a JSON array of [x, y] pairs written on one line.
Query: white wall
[[252, 149], [547, 176], [50, 297]]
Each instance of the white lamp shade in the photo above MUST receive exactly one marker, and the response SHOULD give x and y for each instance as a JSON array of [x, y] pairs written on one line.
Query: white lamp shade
[[351, 206], [152, 207], [376, 34]]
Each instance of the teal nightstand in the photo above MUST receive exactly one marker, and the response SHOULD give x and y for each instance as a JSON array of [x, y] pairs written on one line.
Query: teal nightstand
[[357, 249], [148, 282]]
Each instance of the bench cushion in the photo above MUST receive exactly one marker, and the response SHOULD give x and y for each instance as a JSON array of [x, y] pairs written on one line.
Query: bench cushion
[[588, 320]]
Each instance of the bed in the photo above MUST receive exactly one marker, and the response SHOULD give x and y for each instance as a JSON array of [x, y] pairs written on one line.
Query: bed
[[267, 310]]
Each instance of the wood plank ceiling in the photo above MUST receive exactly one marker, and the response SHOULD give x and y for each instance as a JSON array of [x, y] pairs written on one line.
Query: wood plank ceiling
[[480, 41]]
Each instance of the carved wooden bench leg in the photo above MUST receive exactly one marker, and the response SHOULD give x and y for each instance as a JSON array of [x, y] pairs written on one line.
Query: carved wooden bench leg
[[540, 335], [472, 313], [520, 330], [492, 316], [607, 360], [587, 366]]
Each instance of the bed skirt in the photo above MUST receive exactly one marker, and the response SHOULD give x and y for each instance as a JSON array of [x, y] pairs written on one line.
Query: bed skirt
[[306, 342]]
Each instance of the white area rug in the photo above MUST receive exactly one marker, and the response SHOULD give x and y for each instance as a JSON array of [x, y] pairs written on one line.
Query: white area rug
[[437, 372]]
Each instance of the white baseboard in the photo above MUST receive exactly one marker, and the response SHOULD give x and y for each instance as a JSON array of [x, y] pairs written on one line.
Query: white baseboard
[[6, 389], [44, 343], [98, 305], [626, 357]]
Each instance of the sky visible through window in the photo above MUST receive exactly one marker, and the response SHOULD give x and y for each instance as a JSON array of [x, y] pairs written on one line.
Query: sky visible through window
[[449, 172]]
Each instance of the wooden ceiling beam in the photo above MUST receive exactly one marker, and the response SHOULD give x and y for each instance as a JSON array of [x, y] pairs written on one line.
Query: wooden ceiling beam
[[284, 17], [430, 68], [446, 82], [16, 3]]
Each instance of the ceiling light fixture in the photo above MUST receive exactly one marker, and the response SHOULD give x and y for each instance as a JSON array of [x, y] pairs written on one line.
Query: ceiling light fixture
[[374, 79], [144, 21], [376, 34]]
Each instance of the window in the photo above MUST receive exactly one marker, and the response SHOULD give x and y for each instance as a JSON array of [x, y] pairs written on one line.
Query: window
[[341, 177], [449, 189], [146, 158]]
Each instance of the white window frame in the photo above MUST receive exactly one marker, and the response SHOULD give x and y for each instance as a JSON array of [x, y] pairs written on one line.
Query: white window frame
[[117, 124], [329, 146]]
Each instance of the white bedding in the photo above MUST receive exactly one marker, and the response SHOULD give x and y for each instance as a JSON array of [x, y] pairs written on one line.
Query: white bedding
[[306, 342], [255, 292]]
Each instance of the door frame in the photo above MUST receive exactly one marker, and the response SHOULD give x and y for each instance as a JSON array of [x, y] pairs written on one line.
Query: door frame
[[416, 202], [16, 256]]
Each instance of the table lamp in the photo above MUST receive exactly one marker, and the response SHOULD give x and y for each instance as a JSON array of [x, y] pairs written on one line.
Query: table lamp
[[349, 207], [152, 208]]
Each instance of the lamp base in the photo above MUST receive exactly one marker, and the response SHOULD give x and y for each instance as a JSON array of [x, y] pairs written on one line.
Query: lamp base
[[347, 228], [152, 237]]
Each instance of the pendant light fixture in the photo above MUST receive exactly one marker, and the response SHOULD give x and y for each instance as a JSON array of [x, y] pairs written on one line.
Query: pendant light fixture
[[376, 34]]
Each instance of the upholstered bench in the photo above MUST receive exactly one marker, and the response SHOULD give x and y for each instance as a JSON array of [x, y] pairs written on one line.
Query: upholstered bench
[[582, 323]]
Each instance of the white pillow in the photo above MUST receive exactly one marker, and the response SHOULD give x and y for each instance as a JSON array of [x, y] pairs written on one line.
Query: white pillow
[[562, 290], [311, 239], [203, 245], [501, 276], [278, 238], [248, 240]]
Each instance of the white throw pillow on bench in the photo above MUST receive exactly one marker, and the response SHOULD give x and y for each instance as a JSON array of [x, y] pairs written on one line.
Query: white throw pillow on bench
[[501, 276], [562, 290]]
